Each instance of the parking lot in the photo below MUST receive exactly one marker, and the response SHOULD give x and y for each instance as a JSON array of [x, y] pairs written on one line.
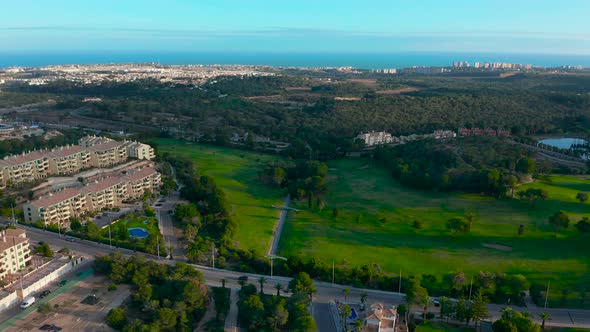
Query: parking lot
[[70, 314]]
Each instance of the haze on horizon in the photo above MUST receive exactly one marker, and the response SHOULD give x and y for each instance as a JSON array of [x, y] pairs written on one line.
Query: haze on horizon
[[374, 26]]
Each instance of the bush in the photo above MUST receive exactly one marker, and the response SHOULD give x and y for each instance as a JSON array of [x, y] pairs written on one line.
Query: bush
[[112, 288], [44, 308], [430, 315], [116, 318]]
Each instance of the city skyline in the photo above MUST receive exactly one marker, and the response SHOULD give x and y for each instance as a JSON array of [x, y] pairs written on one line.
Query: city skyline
[[258, 26]]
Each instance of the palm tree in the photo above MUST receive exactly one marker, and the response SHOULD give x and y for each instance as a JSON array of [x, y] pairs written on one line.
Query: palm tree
[[544, 317], [358, 324], [346, 312], [346, 291], [279, 288], [223, 282], [261, 280], [364, 297]]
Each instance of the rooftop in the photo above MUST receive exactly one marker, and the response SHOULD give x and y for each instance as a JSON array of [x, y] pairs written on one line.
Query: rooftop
[[65, 151], [23, 158], [105, 146], [55, 198]]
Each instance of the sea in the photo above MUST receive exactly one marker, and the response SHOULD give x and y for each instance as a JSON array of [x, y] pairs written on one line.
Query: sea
[[356, 60]]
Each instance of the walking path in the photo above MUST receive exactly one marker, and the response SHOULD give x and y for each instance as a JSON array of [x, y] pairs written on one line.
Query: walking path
[[231, 321], [278, 229]]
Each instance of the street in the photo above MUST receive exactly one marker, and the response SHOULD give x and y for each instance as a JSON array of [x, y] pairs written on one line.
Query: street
[[326, 292]]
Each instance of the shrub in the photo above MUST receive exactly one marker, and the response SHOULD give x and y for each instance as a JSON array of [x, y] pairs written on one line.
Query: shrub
[[112, 288]]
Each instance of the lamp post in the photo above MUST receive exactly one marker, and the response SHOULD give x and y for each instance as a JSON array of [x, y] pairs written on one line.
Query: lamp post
[[273, 257]]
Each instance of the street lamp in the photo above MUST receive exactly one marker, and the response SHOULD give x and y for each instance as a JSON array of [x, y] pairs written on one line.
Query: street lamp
[[273, 257]]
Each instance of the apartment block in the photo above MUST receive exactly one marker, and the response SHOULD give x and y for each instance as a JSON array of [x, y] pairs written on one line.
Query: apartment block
[[107, 154], [26, 167], [139, 150], [15, 251], [68, 160], [109, 192]]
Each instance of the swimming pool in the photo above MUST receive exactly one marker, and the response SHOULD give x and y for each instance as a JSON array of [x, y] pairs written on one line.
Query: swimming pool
[[138, 232], [353, 315]]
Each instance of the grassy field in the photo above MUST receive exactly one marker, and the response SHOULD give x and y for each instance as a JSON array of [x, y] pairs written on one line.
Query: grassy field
[[236, 171], [430, 327], [374, 226]]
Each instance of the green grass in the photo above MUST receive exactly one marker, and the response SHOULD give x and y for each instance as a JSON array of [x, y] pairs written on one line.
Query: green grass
[[439, 327], [236, 171], [385, 236]]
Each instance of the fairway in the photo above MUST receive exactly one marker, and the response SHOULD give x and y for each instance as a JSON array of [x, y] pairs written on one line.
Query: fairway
[[375, 226], [236, 171]]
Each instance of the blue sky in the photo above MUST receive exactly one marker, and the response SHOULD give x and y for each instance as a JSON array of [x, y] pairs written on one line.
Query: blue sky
[[372, 26]]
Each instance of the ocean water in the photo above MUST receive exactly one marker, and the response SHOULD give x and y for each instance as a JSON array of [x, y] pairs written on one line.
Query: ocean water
[[357, 60]]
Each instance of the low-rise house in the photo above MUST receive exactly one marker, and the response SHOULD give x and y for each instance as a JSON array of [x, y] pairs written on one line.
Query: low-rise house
[[382, 319]]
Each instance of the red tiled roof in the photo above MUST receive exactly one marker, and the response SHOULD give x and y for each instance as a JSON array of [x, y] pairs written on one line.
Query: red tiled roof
[[100, 185], [65, 151], [105, 146], [22, 159], [55, 198], [141, 174]]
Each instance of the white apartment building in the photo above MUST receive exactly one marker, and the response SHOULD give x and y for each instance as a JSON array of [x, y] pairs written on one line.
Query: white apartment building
[[15, 251], [110, 192], [139, 150], [376, 138]]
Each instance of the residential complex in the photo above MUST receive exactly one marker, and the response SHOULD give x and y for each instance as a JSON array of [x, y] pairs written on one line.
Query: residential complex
[[375, 138], [92, 151], [109, 192], [15, 252]]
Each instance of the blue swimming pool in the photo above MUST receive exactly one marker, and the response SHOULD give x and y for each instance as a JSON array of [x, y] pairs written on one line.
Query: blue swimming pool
[[138, 232], [353, 315]]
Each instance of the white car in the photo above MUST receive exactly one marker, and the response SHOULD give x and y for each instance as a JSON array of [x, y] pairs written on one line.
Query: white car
[[27, 302]]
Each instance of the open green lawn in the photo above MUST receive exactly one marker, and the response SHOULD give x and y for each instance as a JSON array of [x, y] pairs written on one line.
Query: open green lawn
[[438, 327], [375, 227], [236, 171]]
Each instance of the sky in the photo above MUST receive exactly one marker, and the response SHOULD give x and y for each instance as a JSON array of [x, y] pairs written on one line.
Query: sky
[[306, 26]]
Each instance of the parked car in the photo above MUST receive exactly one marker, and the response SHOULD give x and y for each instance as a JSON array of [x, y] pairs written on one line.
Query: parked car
[[27, 302], [436, 302], [44, 293], [50, 327], [70, 239]]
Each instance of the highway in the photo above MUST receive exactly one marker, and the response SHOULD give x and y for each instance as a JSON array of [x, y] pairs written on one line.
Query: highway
[[326, 292]]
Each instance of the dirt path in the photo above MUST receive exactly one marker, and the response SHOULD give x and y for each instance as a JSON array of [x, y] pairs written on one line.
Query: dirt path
[[276, 233], [209, 315], [231, 321]]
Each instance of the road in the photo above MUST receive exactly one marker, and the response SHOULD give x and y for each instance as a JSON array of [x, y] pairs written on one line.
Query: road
[[163, 207], [326, 292], [278, 228]]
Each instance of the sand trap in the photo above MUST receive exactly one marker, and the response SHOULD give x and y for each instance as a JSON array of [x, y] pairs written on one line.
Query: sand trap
[[497, 246]]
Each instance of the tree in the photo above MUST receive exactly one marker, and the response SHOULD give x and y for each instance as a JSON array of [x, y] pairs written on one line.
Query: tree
[[280, 317], [44, 249], [479, 308], [44, 308], [279, 288], [458, 225], [582, 197], [583, 225], [364, 296], [252, 311], [559, 220], [91, 230], [335, 212], [545, 316], [520, 230], [533, 194], [464, 311], [525, 165], [167, 318], [446, 307], [418, 295], [223, 281], [302, 283], [279, 176], [346, 291], [261, 281], [116, 318], [346, 312], [470, 218], [75, 225]]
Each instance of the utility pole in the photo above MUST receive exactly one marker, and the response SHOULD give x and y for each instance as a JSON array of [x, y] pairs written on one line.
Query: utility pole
[[158, 245], [332, 272], [213, 254], [13, 218], [400, 281], [547, 294], [110, 239], [470, 288], [271, 266]]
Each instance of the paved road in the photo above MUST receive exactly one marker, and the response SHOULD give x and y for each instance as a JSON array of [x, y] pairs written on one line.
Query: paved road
[[231, 321], [167, 227], [278, 228], [325, 291]]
